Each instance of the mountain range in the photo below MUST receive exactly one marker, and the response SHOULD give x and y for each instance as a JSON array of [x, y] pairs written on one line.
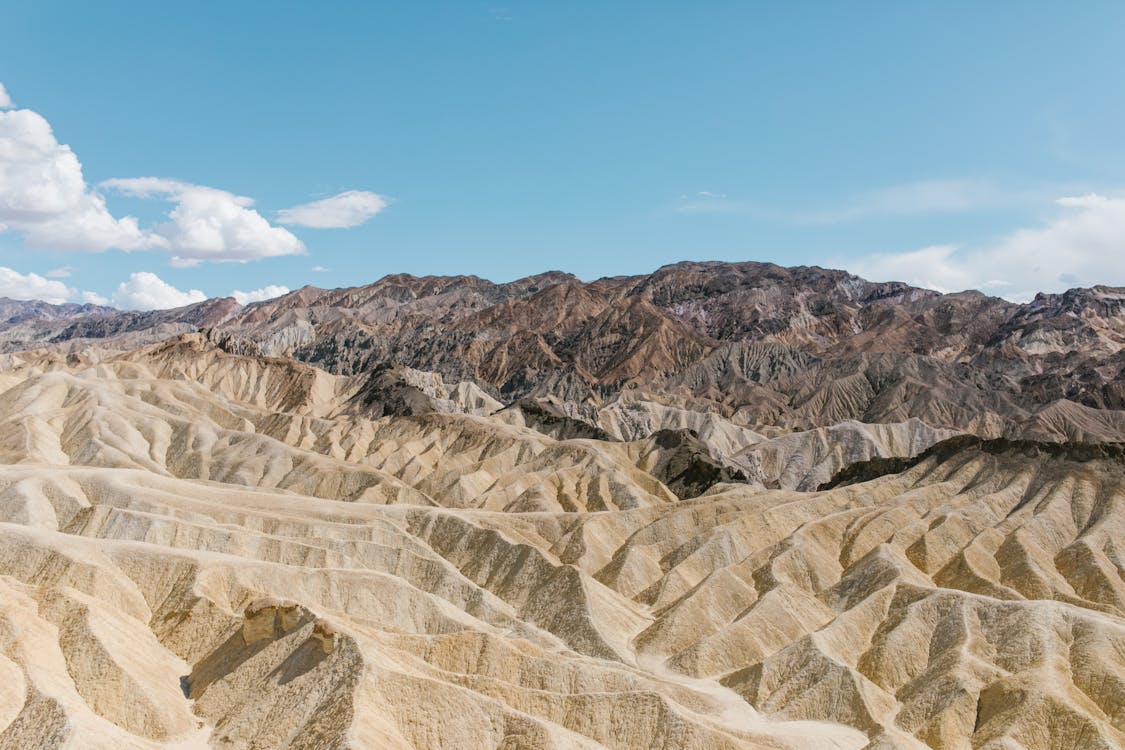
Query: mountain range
[[724, 505]]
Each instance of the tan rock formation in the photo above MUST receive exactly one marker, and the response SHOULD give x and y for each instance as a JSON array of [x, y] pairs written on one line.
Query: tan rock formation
[[206, 549]]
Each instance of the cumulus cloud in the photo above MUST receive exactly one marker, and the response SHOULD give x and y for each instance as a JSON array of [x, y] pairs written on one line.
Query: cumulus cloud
[[1082, 245], [258, 295], [15, 285], [319, 269], [208, 224], [64, 272], [348, 209], [44, 196], [147, 291], [92, 298]]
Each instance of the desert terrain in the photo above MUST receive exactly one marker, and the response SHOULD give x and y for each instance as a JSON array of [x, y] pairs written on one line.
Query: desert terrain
[[723, 506]]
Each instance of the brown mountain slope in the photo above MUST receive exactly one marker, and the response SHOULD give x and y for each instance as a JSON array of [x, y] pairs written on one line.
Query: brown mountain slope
[[793, 348], [697, 329]]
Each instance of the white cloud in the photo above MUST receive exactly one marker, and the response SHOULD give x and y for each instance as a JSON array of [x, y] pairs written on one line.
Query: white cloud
[[921, 198], [44, 196], [1083, 245], [348, 209], [706, 202], [15, 285], [267, 292], [925, 198], [931, 267], [65, 272], [92, 298], [319, 269], [147, 291], [209, 224]]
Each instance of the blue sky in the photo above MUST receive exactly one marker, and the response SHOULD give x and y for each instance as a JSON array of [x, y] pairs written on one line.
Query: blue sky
[[951, 145]]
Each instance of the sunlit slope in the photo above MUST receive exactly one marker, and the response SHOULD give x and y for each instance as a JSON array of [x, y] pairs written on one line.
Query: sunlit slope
[[201, 549]]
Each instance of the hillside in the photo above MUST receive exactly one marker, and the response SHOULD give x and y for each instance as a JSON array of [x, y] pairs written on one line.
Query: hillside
[[722, 505]]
